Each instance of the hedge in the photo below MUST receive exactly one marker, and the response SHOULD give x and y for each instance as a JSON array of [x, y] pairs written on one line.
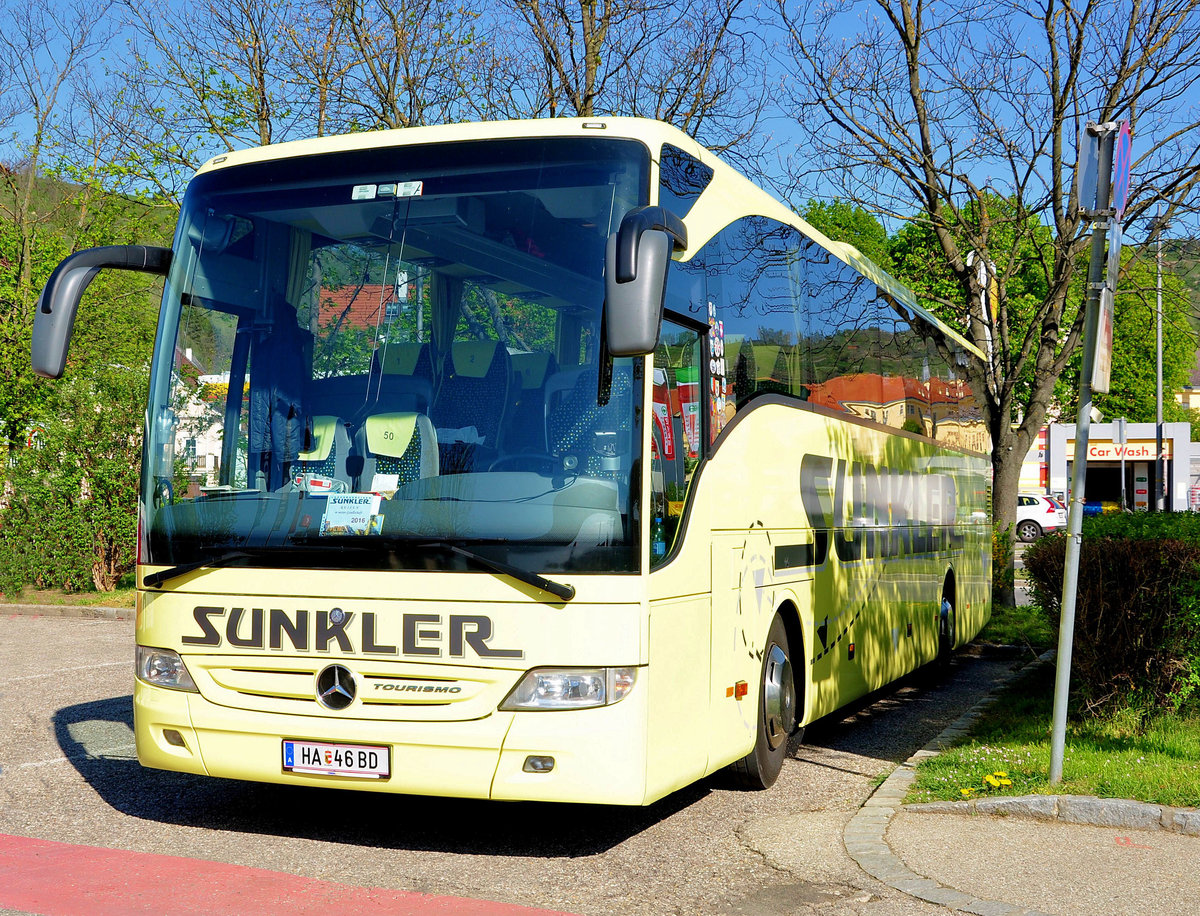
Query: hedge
[[1137, 608]]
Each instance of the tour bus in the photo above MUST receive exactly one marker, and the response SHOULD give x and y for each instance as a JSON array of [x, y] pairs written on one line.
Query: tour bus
[[547, 460]]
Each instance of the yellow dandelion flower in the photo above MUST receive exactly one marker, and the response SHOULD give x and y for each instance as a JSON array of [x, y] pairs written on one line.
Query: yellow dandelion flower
[[1006, 782], [991, 780], [966, 791], [1001, 773]]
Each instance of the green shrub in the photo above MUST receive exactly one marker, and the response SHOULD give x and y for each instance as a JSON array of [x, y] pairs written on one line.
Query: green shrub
[[70, 518], [1137, 608]]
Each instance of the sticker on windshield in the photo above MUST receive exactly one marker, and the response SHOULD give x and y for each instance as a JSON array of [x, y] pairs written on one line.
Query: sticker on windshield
[[350, 513], [388, 189]]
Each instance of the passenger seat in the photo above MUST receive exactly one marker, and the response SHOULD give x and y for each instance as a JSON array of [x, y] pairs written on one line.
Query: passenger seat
[[401, 378], [471, 404], [321, 468], [397, 448], [526, 431]]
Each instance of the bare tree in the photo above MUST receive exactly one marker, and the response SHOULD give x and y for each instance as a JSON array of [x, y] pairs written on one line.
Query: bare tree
[[963, 121], [45, 50], [705, 76], [208, 77], [410, 60], [320, 58], [689, 62]]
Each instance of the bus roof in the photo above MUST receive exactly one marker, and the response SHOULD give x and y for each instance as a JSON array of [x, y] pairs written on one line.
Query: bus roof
[[729, 196]]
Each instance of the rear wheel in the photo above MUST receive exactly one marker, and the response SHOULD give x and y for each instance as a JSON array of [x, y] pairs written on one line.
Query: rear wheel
[[1029, 530], [776, 714]]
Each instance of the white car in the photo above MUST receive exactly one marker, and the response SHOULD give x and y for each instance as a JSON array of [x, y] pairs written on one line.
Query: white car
[[1037, 514]]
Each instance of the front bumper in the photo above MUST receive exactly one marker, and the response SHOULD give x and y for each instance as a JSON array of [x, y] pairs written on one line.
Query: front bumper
[[599, 753]]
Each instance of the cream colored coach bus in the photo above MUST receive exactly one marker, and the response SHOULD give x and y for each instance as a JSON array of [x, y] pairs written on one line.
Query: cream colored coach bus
[[539, 460]]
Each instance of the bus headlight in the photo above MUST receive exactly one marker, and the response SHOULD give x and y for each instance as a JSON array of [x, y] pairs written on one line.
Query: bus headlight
[[570, 688], [163, 668]]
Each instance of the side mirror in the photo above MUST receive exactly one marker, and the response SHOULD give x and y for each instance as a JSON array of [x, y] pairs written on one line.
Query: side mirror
[[54, 319], [635, 278]]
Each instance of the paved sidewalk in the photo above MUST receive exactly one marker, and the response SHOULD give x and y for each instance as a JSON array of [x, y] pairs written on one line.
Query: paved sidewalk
[[68, 610], [1063, 855], [1019, 865]]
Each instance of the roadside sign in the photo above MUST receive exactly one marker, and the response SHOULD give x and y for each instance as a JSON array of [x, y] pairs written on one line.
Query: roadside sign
[[1122, 159], [1102, 360], [1087, 172]]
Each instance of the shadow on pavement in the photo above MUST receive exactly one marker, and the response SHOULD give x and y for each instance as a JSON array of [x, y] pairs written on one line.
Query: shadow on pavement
[[366, 819], [894, 722]]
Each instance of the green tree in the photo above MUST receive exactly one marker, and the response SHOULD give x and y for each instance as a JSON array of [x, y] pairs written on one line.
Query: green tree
[[1020, 247], [20, 394], [1132, 393], [932, 110], [844, 221]]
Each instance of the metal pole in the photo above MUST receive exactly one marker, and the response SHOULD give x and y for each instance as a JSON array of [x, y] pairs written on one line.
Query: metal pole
[[1159, 469], [1124, 504], [1066, 624]]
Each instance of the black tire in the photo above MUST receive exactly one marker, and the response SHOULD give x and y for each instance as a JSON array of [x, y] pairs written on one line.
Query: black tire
[[1028, 531], [776, 714]]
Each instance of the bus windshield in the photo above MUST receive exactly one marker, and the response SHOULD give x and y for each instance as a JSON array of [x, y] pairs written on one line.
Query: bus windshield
[[391, 359]]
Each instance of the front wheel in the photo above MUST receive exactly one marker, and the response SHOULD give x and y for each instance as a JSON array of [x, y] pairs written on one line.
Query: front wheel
[[776, 714]]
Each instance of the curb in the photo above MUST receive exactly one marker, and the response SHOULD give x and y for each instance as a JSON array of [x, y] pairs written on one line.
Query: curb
[[67, 610], [1076, 809], [865, 834]]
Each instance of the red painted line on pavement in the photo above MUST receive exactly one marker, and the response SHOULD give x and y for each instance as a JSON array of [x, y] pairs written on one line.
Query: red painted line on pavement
[[1128, 842], [64, 879]]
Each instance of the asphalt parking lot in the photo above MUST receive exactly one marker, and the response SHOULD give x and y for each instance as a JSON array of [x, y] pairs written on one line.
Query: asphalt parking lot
[[68, 774]]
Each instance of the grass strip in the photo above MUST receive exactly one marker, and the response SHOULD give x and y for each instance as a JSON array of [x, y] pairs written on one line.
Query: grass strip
[[1149, 758], [1018, 626], [120, 598]]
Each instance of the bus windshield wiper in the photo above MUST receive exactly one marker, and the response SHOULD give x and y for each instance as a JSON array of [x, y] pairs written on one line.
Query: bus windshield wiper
[[559, 589], [174, 572]]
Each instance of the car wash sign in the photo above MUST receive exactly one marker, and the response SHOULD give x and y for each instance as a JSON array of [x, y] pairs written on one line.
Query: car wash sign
[[1133, 450]]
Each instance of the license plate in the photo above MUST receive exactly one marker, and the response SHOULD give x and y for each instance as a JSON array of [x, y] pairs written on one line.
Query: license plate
[[358, 760]]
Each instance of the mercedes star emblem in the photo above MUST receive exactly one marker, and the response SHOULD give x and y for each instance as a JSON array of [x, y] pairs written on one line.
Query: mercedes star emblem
[[335, 687]]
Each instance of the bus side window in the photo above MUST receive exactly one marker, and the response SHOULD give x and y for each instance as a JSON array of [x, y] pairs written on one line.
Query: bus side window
[[754, 289]]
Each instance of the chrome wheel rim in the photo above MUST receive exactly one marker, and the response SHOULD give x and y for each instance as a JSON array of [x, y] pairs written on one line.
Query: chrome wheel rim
[[779, 697]]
